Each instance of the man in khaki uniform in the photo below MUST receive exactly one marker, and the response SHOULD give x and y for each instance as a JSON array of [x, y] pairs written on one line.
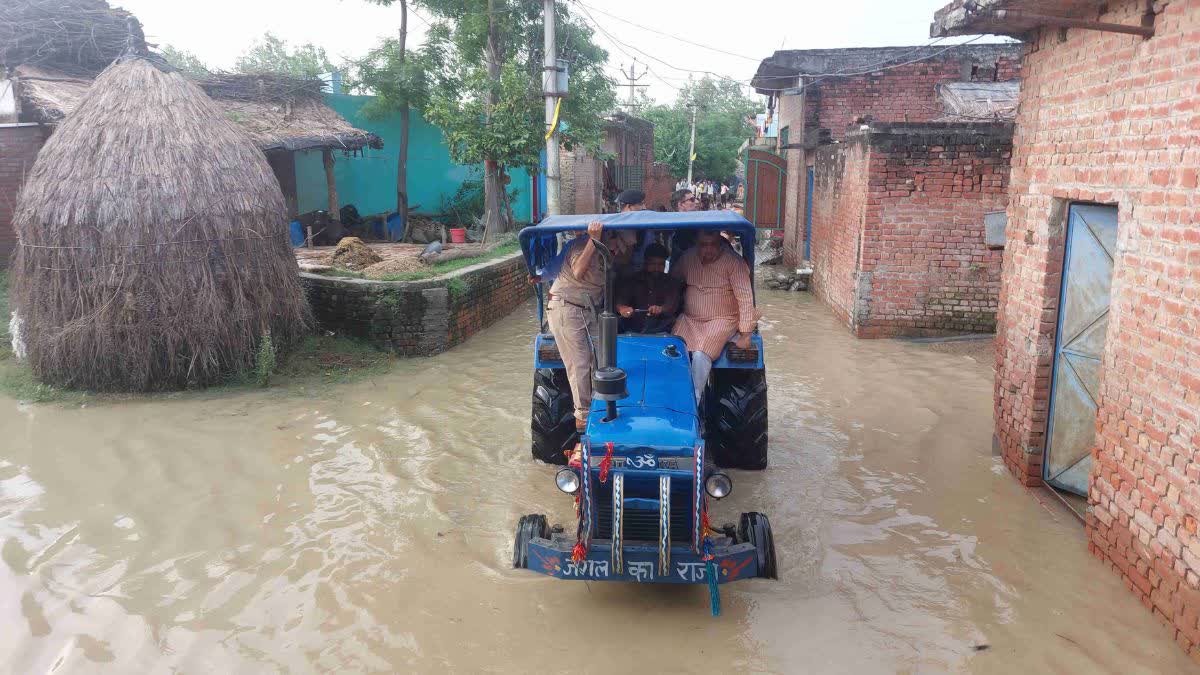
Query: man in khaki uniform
[[571, 312]]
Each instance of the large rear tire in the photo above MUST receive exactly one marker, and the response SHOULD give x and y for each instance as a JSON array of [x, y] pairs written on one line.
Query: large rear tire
[[553, 418], [736, 418], [754, 528], [528, 528]]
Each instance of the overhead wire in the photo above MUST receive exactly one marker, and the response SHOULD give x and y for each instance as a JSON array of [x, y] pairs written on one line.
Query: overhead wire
[[887, 64]]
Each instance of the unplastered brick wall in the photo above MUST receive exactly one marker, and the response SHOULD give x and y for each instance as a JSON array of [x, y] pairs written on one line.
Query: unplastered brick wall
[[898, 243], [839, 209], [19, 145], [905, 93], [1115, 119], [420, 318], [925, 266]]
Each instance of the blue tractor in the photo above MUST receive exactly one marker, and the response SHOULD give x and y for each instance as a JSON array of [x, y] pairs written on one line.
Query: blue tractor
[[652, 455]]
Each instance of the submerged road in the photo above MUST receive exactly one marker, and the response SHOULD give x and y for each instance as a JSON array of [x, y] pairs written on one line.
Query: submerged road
[[370, 530]]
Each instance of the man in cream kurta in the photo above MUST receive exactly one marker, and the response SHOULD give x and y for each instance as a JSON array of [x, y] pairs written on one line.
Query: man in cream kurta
[[718, 306]]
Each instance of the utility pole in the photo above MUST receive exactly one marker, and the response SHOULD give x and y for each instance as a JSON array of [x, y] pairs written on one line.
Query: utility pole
[[550, 89], [692, 147], [633, 78]]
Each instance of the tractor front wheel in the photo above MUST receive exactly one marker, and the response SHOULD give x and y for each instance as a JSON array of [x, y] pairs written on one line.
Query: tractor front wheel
[[756, 529], [736, 424], [528, 528], [553, 419]]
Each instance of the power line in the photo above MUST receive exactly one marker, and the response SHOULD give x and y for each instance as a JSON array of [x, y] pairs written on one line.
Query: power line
[[664, 34], [817, 77]]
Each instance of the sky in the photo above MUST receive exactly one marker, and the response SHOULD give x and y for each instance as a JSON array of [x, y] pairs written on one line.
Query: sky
[[219, 30]]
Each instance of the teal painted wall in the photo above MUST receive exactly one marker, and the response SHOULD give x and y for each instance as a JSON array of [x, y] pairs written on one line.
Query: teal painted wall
[[368, 180]]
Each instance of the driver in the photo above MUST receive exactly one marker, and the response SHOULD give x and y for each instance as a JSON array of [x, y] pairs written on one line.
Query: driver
[[571, 310], [648, 300]]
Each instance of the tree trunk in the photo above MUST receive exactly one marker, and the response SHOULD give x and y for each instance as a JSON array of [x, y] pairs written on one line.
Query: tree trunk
[[493, 190], [334, 208], [402, 164]]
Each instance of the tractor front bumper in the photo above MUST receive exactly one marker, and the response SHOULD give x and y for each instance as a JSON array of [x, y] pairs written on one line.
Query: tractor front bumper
[[640, 561]]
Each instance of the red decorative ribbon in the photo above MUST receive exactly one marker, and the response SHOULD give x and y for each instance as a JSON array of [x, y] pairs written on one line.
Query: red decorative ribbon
[[606, 463]]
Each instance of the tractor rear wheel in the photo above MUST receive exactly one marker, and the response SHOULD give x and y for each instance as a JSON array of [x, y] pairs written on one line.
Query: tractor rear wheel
[[756, 529], [736, 418], [553, 419], [528, 528]]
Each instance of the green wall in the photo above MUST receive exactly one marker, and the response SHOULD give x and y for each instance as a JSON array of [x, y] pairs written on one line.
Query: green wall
[[368, 179]]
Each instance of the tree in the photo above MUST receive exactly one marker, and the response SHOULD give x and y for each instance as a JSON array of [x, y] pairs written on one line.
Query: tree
[[271, 55], [486, 61], [185, 61], [721, 128], [399, 84]]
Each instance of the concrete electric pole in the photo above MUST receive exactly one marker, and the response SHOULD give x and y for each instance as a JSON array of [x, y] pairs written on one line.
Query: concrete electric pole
[[692, 147], [550, 89], [633, 85]]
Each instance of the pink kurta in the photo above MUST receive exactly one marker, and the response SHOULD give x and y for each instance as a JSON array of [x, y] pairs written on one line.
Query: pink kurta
[[719, 301]]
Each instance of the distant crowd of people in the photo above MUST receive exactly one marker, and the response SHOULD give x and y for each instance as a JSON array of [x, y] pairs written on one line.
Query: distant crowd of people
[[710, 194]]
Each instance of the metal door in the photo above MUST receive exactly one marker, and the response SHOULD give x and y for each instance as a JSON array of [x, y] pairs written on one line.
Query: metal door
[[766, 174], [1079, 345], [808, 215]]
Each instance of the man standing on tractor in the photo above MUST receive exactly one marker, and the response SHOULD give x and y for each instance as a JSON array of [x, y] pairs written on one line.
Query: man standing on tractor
[[718, 305], [571, 310]]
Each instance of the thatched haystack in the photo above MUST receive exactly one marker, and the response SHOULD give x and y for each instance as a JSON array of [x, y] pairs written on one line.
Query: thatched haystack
[[75, 35], [153, 246]]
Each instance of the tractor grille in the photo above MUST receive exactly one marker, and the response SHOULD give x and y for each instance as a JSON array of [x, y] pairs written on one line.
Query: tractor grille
[[643, 525]]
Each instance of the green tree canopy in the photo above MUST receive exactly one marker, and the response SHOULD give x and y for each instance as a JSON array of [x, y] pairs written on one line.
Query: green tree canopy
[[392, 83], [513, 133], [271, 54], [722, 112], [185, 61]]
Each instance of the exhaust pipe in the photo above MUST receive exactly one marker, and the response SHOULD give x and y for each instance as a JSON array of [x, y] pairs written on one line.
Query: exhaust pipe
[[608, 381]]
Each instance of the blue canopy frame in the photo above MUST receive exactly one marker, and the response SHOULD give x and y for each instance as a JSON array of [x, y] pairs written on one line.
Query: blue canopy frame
[[539, 243]]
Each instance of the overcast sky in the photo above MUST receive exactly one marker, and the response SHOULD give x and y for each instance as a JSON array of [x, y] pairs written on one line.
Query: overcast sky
[[219, 30]]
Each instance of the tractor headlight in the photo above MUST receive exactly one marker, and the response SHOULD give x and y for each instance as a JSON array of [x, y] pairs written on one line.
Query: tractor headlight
[[567, 481], [718, 486]]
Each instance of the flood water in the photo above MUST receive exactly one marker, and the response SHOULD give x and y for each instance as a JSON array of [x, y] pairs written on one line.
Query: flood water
[[370, 530]]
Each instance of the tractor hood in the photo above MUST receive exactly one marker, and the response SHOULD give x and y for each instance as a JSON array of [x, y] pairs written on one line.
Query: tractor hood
[[660, 411]]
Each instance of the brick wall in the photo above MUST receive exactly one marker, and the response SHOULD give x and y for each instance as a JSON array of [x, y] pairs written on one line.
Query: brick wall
[[788, 114], [839, 209], [19, 145], [898, 234], [926, 267], [830, 106], [1115, 119], [658, 186], [420, 318], [904, 94]]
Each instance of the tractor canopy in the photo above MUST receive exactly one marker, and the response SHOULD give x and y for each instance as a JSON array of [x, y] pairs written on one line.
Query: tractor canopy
[[543, 255]]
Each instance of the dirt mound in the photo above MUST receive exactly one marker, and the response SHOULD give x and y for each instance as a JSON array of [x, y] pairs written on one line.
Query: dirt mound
[[353, 254], [394, 266]]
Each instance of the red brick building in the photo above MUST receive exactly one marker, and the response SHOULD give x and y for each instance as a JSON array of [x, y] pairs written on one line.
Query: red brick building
[[894, 157], [590, 184], [1098, 343], [815, 104], [898, 227]]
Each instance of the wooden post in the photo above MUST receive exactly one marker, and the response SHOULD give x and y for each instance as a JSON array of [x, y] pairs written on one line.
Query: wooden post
[[334, 208]]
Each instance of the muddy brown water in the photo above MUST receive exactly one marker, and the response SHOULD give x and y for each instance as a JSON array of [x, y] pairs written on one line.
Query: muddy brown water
[[370, 530]]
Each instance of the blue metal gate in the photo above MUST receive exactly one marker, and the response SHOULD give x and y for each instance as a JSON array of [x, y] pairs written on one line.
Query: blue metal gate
[[1079, 345], [808, 216]]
